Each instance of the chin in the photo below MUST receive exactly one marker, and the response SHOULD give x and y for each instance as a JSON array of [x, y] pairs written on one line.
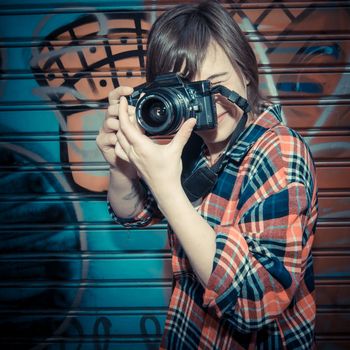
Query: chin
[[209, 133], [213, 135]]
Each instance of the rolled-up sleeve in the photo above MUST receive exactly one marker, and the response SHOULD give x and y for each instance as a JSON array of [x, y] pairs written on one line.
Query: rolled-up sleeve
[[149, 215]]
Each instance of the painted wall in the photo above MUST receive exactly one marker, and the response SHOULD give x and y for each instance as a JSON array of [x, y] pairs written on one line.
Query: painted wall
[[70, 278]]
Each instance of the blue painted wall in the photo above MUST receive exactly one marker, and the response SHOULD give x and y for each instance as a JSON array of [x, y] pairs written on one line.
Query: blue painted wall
[[70, 277]]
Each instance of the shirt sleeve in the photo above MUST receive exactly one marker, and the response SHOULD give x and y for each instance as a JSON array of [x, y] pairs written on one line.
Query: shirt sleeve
[[264, 254], [149, 215]]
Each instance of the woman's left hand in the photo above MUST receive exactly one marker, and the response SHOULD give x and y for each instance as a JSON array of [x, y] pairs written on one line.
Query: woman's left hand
[[159, 165]]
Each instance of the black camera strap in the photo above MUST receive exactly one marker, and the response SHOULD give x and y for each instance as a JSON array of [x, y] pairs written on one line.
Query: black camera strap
[[233, 97], [200, 182]]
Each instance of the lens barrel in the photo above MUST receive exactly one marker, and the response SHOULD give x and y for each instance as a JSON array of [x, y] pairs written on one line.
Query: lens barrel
[[161, 111]]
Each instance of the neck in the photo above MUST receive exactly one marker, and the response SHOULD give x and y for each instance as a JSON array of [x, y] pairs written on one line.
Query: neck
[[215, 150]]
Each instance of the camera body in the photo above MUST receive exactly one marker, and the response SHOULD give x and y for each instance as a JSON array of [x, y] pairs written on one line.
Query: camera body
[[165, 103]]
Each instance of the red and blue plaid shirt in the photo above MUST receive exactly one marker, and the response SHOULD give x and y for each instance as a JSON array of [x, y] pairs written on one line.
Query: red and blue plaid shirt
[[263, 210]]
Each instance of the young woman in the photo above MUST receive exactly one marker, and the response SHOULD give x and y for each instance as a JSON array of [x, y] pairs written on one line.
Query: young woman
[[242, 264]]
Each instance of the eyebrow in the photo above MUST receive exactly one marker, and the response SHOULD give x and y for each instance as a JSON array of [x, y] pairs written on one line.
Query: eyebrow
[[217, 75]]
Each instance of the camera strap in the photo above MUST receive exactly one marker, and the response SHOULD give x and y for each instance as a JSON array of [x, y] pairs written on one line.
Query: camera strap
[[200, 182]]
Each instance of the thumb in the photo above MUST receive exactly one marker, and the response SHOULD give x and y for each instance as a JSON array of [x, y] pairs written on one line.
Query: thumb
[[180, 139]]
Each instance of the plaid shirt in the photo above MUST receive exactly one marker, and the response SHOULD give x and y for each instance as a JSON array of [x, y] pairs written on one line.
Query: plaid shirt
[[263, 210]]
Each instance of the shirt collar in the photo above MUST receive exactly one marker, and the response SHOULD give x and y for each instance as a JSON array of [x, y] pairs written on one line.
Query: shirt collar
[[269, 118]]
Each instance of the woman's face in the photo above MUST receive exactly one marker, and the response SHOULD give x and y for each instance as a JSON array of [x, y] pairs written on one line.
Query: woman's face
[[217, 68]]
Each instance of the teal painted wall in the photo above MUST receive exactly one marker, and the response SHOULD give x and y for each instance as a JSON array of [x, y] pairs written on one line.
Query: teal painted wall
[[70, 277]]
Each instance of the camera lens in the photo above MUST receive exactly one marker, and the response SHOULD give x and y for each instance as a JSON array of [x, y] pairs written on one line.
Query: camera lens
[[156, 112], [161, 111]]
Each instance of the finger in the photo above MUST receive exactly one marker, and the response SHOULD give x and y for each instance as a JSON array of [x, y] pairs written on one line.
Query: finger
[[115, 94], [111, 139], [123, 142], [180, 139], [107, 115], [133, 120], [113, 110], [111, 125], [132, 112], [120, 152], [129, 130], [105, 141]]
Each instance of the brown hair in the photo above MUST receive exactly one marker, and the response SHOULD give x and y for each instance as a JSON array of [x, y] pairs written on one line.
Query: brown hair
[[181, 36]]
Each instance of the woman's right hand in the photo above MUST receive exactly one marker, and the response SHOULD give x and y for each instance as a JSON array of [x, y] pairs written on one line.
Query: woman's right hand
[[106, 139]]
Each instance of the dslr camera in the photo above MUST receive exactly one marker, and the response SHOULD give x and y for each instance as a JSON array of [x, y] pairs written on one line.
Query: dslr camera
[[165, 103]]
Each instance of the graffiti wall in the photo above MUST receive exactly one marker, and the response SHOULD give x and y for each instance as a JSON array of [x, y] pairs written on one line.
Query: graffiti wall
[[70, 277]]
